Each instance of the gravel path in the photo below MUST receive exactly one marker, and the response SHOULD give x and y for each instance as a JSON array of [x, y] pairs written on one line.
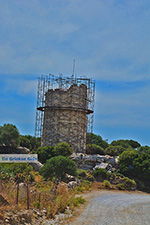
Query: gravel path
[[116, 208]]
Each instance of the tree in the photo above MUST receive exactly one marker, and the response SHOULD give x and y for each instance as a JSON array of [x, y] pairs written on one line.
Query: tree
[[144, 149], [30, 142], [25, 142], [57, 167], [47, 152], [94, 149], [136, 164], [96, 139], [114, 150], [9, 135], [126, 143], [122, 143], [126, 160], [134, 144]]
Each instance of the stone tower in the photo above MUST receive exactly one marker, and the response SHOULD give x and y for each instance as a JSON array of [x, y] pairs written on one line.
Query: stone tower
[[65, 110]]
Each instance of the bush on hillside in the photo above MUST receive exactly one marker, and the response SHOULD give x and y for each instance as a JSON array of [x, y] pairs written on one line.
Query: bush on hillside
[[100, 174], [81, 173], [126, 184], [57, 167], [114, 150], [136, 165], [63, 149], [19, 171], [30, 142], [126, 143], [96, 139], [45, 153], [144, 149], [106, 184], [9, 135], [94, 149]]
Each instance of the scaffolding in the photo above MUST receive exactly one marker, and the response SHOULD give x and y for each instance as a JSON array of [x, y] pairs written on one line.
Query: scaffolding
[[60, 82]]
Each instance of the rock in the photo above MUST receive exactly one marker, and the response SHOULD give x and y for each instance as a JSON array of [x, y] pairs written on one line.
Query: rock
[[70, 178], [72, 184], [44, 211], [101, 166], [23, 150], [36, 165], [77, 156], [86, 167], [90, 162]]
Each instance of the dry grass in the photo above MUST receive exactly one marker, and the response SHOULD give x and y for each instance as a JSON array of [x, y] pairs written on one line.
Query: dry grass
[[43, 195], [102, 185]]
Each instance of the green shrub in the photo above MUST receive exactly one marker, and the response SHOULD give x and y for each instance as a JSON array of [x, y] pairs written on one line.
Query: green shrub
[[20, 172], [126, 184], [81, 173], [115, 177], [106, 184], [123, 143], [94, 149], [100, 174], [57, 167], [144, 149], [96, 139], [30, 142], [76, 201], [85, 185], [63, 149], [90, 177], [45, 153], [135, 164], [5, 176], [126, 160], [14, 169], [121, 187], [114, 150], [84, 174], [9, 135]]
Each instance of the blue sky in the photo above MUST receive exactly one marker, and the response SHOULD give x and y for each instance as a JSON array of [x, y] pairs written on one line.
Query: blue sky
[[110, 41]]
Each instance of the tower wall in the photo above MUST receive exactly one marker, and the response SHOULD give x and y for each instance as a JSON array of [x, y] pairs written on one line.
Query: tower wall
[[65, 117]]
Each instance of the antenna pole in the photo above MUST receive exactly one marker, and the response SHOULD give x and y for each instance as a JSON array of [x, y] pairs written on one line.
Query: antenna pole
[[73, 72]]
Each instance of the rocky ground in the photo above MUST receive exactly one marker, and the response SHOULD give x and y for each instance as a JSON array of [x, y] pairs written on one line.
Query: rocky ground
[[33, 217], [115, 208]]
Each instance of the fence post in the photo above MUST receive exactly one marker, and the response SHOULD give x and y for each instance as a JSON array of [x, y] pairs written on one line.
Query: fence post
[[17, 194], [28, 196]]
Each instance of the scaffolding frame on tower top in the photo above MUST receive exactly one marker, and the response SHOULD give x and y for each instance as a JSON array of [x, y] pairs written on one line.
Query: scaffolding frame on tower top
[[47, 82]]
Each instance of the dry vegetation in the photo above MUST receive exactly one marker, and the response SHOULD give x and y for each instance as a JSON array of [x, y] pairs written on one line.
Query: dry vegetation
[[42, 195]]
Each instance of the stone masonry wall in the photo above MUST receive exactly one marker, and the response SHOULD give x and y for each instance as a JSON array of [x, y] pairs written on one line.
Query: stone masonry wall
[[65, 117]]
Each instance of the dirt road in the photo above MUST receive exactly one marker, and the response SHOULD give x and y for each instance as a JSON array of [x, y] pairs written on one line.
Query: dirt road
[[116, 208]]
